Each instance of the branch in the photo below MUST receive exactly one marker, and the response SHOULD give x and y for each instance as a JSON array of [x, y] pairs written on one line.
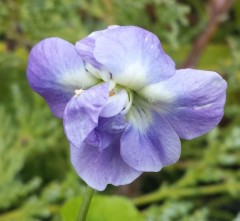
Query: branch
[[176, 192], [217, 9]]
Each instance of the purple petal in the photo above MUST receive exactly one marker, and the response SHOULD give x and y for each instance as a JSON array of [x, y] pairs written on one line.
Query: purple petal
[[113, 125], [55, 70], [100, 168], [192, 101], [82, 113], [134, 56], [100, 139], [86, 46], [149, 144], [106, 132], [115, 105]]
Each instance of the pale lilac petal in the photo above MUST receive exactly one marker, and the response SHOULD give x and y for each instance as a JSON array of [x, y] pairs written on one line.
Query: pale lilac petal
[[134, 56], [149, 144], [100, 168], [113, 125], [94, 138], [85, 49], [106, 132], [192, 101], [55, 70], [82, 113], [86, 46], [100, 139], [116, 104]]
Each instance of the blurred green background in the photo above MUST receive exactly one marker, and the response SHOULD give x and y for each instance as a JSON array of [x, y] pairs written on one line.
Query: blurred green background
[[37, 181]]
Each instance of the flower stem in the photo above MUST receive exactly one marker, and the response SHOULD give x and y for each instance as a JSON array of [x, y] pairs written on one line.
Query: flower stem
[[85, 203]]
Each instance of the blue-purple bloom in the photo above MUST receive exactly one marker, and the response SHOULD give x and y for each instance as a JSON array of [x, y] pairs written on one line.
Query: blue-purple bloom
[[123, 103]]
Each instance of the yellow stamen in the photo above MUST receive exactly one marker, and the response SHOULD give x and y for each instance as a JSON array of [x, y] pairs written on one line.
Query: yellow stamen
[[112, 93]]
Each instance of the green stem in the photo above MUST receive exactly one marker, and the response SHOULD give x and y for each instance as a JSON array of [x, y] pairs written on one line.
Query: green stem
[[85, 204]]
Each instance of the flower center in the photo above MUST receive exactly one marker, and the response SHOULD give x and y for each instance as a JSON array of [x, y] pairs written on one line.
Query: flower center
[[114, 89], [130, 97]]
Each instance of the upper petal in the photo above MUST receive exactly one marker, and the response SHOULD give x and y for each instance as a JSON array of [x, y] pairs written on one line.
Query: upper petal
[[134, 56], [86, 46], [55, 70], [192, 101], [149, 141], [100, 168], [82, 113]]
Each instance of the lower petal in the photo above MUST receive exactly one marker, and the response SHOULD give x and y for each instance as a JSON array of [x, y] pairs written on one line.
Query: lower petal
[[106, 132], [113, 125], [100, 168], [149, 145]]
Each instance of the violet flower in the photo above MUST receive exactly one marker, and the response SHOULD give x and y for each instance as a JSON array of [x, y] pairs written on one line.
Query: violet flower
[[123, 103]]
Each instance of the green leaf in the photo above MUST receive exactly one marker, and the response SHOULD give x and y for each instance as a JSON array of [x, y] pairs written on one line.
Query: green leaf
[[102, 208]]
